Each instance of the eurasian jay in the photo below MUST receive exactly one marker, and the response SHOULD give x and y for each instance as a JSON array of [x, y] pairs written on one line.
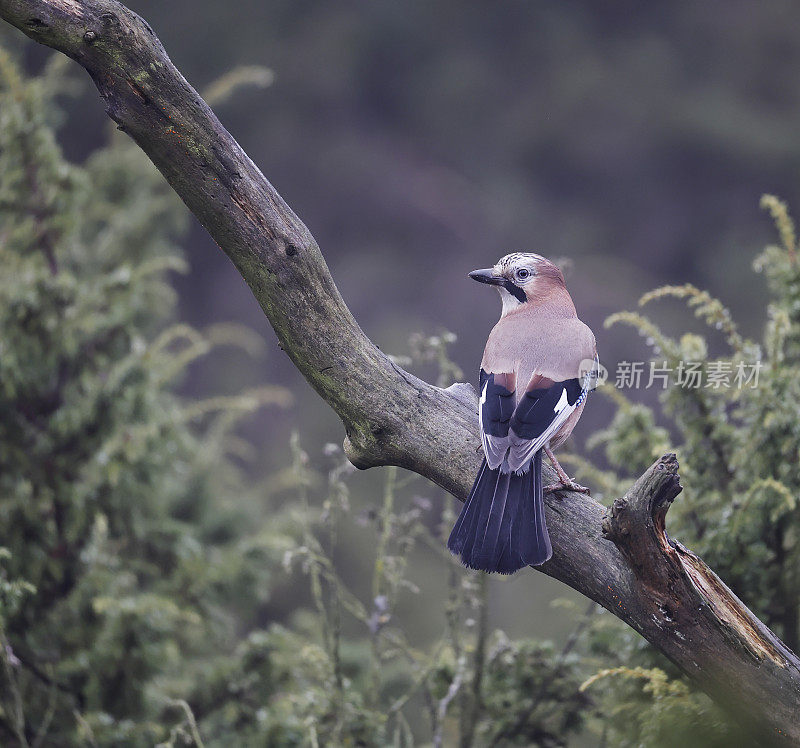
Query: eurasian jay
[[539, 365]]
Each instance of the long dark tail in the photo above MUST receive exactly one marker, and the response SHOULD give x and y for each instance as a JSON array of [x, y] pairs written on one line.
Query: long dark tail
[[501, 527]]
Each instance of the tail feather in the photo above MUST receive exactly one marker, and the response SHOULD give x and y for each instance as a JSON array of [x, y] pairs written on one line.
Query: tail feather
[[508, 558], [460, 529], [535, 539], [492, 484], [502, 527], [508, 555], [490, 547]]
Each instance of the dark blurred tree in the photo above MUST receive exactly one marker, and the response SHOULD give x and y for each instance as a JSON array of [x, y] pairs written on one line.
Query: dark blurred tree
[[124, 534]]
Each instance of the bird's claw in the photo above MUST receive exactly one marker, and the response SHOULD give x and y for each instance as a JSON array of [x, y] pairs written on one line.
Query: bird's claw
[[567, 485]]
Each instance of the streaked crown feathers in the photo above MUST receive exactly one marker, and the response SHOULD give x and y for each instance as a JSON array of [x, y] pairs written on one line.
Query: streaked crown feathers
[[538, 265]]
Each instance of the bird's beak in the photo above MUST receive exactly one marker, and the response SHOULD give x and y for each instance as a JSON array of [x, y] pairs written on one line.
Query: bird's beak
[[486, 276]]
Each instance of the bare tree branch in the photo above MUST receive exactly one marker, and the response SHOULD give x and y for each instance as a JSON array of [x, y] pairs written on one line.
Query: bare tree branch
[[624, 561]]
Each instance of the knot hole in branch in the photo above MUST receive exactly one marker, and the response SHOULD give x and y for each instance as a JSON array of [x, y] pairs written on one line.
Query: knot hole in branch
[[35, 24]]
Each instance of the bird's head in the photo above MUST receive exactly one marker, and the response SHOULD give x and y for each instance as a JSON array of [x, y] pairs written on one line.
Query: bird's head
[[521, 277]]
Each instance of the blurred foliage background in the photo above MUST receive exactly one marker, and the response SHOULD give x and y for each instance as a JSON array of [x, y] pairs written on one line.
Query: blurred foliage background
[[173, 572]]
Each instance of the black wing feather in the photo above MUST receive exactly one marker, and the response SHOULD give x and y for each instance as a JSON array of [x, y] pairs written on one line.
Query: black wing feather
[[537, 408]]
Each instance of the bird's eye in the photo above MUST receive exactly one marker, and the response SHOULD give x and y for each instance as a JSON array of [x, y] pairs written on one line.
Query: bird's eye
[[523, 274]]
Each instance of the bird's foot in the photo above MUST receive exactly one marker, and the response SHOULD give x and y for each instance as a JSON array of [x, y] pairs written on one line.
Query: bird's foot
[[567, 485]]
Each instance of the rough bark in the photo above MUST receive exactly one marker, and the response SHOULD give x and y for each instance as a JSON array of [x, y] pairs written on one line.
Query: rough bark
[[622, 559]]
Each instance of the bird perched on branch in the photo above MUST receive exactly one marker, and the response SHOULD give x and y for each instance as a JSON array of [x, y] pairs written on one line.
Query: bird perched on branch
[[539, 365]]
